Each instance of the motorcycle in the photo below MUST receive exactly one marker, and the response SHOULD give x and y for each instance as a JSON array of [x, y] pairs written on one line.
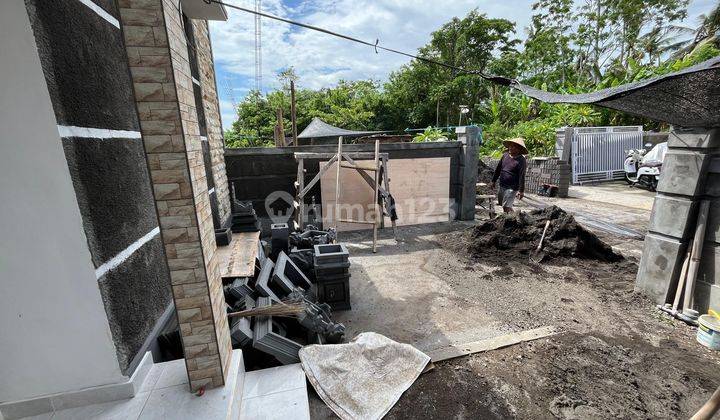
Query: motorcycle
[[643, 167]]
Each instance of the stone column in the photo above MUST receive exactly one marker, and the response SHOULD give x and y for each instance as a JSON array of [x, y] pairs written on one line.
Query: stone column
[[158, 58], [672, 223], [470, 138]]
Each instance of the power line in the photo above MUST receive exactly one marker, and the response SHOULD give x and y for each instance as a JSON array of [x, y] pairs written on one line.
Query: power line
[[497, 79]]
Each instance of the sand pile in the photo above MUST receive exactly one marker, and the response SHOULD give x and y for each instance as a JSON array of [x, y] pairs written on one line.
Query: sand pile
[[519, 233]]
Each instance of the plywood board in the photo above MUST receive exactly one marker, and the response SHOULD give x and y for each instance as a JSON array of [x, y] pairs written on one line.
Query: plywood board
[[238, 258], [421, 188]]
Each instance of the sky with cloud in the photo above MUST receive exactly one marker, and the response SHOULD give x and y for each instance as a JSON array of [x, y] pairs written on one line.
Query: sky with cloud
[[322, 60]]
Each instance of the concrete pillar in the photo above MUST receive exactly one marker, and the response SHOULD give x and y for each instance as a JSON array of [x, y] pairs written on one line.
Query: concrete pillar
[[470, 138], [157, 52], [691, 173]]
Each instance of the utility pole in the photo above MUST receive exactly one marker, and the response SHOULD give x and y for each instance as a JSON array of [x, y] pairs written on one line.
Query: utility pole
[[293, 115], [258, 48]]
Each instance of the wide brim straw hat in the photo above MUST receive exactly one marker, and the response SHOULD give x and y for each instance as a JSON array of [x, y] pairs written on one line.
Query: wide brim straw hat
[[519, 141]]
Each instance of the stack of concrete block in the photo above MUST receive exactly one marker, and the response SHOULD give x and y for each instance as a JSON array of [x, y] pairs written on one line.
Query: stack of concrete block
[[332, 275], [244, 218], [690, 174], [540, 170]]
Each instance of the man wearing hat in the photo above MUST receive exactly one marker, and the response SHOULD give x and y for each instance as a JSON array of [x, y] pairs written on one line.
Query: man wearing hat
[[511, 172]]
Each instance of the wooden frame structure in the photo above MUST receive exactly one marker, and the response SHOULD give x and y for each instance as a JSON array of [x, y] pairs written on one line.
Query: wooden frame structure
[[347, 160]]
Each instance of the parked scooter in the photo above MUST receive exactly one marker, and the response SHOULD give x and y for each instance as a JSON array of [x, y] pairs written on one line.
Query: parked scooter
[[643, 168]]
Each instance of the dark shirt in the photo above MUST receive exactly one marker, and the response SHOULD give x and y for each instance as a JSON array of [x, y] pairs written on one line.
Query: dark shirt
[[511, 171]]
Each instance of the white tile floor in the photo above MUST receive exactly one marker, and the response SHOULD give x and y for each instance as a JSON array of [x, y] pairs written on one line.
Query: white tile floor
[[276, 393]]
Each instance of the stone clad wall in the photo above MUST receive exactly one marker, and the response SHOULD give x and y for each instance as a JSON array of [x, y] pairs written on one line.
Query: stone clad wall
[[208, 84], [158, 58]]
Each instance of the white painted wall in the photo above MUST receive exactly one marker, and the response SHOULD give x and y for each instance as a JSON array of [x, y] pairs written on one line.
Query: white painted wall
[[54, 333]]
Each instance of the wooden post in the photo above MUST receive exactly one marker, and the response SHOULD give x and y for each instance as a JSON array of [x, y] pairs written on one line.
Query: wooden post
[[337, 183], [280, 128], [293, 116], [377, 214], [300, 196]]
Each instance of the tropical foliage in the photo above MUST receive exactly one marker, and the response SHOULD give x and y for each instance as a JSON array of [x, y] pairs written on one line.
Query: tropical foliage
[[570, 47]]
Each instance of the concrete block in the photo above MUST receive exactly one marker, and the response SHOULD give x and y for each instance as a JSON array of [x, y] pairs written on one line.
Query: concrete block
[[673, 216], [683, 172], [241, 333], [288, 276], [659, 266], [279, 239], [264, 286], [335, 293], [270, 342], [707, 296], [330, 253], [694, 138], [712, 232], [712, 185], [709, 271]]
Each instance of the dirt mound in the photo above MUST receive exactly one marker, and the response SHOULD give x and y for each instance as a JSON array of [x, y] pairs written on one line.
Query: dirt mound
[[520, 233]]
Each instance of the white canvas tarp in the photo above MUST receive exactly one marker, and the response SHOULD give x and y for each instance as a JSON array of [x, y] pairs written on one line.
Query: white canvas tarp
[[362, 379]]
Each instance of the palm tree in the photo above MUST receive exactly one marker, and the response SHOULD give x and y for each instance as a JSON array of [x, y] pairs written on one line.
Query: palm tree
[[707, 31]]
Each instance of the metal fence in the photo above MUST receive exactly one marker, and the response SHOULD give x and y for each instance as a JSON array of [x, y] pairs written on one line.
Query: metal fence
[[598, 153]]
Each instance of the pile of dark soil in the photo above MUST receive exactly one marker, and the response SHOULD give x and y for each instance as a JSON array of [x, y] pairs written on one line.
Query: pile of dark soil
[[520, 233]]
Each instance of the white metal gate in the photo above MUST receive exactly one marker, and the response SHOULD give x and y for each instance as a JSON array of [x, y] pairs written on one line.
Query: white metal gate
[[598, 153]]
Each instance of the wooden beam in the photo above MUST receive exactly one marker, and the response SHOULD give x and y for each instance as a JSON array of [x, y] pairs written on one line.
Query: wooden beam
[[317, 177], [280, 128], [494, 343], [354, 155]]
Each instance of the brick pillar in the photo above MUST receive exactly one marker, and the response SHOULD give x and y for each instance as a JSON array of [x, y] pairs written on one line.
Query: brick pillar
[[158, 58], [470, 138], [682, 186]]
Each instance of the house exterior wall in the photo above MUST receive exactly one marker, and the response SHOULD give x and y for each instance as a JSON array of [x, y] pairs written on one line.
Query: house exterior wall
[[54, 330], [88, 78], [158, 56]]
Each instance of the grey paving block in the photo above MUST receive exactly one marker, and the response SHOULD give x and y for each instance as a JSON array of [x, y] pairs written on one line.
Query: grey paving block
[[694, 138], [330, 253], [288, 276], [673, 216], [268, 341], [660, 266], [683, 172]]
